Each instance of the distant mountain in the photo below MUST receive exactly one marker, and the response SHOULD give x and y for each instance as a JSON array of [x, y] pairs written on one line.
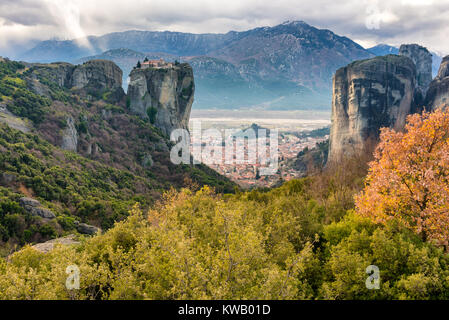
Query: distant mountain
[[176, 43], [246, 132], [286, 66], [384, 49], [294, 51]]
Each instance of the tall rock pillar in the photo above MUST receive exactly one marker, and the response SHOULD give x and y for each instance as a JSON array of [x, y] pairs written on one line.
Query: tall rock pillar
[[368, 95], [422, 59]]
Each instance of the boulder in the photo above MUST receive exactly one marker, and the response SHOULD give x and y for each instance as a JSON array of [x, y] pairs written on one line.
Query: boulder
[[87, 229], [42, 212], [26, 202], [35, 208], [7, 178], [47, 246]]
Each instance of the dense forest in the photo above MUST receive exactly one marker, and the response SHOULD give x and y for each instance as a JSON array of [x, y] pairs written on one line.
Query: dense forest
[[308, 239]]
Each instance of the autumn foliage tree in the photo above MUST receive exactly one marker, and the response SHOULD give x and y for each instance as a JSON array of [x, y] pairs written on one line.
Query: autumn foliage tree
[[409, 179]]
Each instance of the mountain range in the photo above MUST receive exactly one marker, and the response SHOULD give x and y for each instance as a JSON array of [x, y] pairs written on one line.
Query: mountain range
[[288, 66]]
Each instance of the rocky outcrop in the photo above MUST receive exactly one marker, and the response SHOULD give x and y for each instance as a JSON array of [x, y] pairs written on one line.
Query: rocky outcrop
[[59, 73], [48, 246], [423, 62], [438, 93], [14, 121], [102, 74], [86, 228], [368, 95], [35, 208], [94, 77], [7, 179], [70, 136], [163, 95]]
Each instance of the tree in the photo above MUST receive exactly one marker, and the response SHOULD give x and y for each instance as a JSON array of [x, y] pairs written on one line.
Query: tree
[[138, 64], [152, 112], [409, 179]]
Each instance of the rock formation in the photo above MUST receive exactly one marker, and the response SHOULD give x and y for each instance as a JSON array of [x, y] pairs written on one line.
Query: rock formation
[[102, 74], [368, 95], [162, 95], [6, 179], [35, 208], [94, 77], [70, 136], [438, 93], [48, 246], [423, 62], [86, 228]]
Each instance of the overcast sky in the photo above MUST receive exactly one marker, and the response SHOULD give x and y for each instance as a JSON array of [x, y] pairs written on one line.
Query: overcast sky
[[368, 22]]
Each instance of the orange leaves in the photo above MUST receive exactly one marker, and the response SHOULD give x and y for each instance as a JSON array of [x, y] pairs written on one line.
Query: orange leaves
[[409, 178]]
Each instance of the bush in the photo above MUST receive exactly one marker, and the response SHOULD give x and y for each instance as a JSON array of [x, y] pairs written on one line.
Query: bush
[[152, 112]]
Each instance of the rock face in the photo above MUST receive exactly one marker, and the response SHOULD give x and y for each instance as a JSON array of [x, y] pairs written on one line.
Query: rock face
[[102, 74], [7, 178], [423, 62], [70, 136], [87, 228], [35, 208], [163, 95], [368, 95], [94, 77], [48, 246], [14, 121], [438, 93]]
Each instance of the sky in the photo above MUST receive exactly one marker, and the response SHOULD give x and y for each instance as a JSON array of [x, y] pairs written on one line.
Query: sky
[[368, 22]]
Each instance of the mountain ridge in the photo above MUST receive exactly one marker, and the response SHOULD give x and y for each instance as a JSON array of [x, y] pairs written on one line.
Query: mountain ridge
[[291, 63]]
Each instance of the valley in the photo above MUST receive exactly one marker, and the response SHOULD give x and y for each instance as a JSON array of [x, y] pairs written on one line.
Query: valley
[[150, 158], [293, 127]]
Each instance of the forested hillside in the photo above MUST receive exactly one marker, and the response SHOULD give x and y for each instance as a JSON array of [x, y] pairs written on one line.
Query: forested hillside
[[307, 239], [79, 152]]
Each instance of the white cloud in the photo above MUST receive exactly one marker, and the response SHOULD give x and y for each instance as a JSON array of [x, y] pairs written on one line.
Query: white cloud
[[400, 21], [68, 16]]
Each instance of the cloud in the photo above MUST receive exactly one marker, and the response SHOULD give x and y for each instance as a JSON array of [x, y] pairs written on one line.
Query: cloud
[[392, 21], [67, 15]]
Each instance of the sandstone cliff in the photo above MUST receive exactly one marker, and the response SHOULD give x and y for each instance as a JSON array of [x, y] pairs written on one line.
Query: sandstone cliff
[[162, 95], [368, 95], [100, 74], [422, 59], [70, 136], [438, 93], [95, 78]]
